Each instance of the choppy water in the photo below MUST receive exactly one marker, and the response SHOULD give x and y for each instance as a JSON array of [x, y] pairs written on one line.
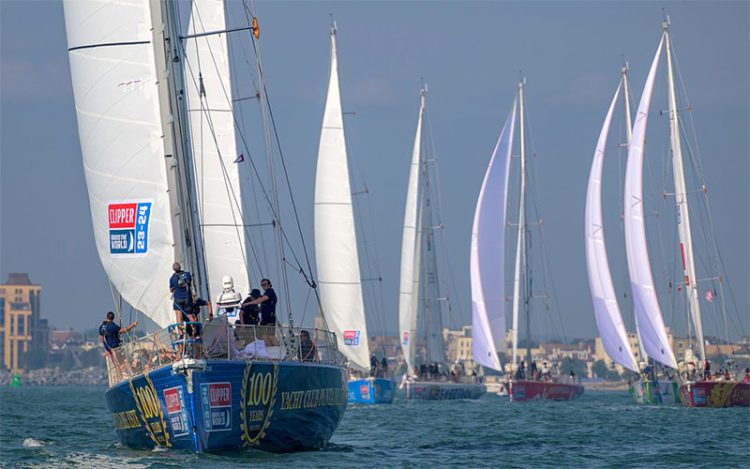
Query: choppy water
[[70, 427]]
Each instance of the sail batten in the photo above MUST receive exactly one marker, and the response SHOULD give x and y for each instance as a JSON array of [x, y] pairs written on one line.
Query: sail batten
[[336, 253], [487, 263], [645, 303], [606, 310]]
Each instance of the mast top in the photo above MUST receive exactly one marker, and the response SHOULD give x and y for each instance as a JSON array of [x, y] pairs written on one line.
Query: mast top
[[626, 68], [334, 28]]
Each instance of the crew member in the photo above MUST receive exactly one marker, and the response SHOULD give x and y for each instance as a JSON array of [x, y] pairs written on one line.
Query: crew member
[[181, 286]]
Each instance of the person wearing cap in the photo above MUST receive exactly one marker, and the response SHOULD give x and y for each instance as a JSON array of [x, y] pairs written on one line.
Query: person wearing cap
[[251, 313], [181, 286]]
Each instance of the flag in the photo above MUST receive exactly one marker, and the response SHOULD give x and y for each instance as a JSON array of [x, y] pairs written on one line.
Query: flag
[[240, 158], [709, 296]]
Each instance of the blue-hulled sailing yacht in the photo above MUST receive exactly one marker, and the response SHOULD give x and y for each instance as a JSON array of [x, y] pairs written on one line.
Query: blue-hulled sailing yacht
[[336, 252], [155, 118]]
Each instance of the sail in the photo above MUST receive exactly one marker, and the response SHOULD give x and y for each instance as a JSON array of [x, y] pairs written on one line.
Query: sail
[[212, 135], [114, 78], [335, 237], [487, 262], [409, 290], [650, 322], [606, 310]]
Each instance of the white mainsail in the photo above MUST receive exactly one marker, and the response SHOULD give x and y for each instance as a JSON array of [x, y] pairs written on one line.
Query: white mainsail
[[606, 310], [335, 237], [212, 134], [487, 264], [114, 80], [409, 284], [650, 322]]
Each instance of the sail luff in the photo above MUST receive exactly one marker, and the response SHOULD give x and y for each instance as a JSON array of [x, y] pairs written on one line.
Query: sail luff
[[487, 258], [214, 150], [409, 249], [646, 305], [336, 253], [681, 201], [606, 310]]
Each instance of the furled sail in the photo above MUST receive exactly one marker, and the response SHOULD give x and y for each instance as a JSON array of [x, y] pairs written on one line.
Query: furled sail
[[409, 284], [114, 80], [606, 310], [487, 263], [650, 322], [209, 99], [335, 237]]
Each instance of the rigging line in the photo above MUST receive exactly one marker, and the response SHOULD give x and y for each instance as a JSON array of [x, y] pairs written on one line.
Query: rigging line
[[547, 277], [231, 193], [266, 115], [451, 278]]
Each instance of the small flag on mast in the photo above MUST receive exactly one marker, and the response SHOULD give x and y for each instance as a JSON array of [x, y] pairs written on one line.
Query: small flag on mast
[[240, 158]]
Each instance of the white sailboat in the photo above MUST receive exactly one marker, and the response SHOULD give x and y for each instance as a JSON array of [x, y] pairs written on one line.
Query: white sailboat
[[419, 295], [488, 269], [336, 253], [694, 391], [156, 126]]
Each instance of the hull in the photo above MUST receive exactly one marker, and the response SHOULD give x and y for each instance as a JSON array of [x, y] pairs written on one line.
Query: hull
[[229, 405], [659, 392], [715, 394], [523, 390], [438, 390], [371, 391]]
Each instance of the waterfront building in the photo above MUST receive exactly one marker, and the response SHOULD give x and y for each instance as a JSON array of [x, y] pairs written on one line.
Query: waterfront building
[[22, 330]]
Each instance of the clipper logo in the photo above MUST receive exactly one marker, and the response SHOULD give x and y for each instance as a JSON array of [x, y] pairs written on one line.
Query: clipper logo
[[351, 337], [128, 228], [217, 406], [405, 340], [176, 410]]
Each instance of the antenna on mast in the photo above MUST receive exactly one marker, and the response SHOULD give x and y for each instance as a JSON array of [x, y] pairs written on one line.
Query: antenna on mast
[[334, 28]]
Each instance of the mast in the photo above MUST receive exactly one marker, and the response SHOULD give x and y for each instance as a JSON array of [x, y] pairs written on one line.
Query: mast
[[629, 134], [681, 200], [169, 65], [521, 240], [432, 317]]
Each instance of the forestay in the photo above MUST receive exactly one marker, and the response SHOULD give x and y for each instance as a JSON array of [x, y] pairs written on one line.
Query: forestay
[[487, 263], [212, 135], [606, 310], [115, 88], [335, 238], [650, 322]]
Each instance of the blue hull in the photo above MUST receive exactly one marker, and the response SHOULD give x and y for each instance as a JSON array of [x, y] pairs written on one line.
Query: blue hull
[[230, 405], [371, 391]]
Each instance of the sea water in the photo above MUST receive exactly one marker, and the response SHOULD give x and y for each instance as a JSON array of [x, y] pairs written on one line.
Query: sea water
[[70, 427]]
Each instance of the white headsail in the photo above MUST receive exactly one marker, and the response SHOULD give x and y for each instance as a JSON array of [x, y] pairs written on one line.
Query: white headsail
[[487, 264], [209, 99], [335, 237], [606, 310], [114, 80], [650, 322], [409, 291]]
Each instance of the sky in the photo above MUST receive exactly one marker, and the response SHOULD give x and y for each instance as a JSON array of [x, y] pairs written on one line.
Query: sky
[[471, 54]]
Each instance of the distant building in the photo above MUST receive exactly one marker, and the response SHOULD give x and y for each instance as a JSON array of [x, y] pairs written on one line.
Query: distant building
[[458, 346], [22, 329]]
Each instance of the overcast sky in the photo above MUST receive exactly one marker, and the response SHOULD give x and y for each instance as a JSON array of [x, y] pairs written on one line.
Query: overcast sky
[[471, 55]]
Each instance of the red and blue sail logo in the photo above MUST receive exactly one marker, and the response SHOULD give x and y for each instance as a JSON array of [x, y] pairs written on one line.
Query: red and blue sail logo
[[351, 337], [128, 228], [405, 340]]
